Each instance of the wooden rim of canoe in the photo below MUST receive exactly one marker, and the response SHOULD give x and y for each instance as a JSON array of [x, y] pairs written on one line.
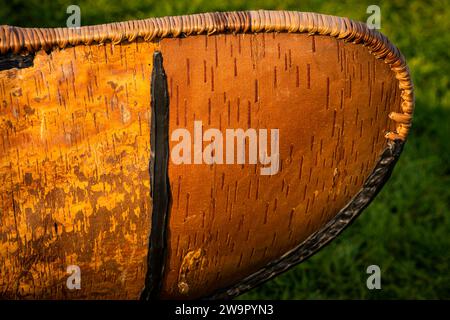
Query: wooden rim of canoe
[[26, 41], [29, 40]]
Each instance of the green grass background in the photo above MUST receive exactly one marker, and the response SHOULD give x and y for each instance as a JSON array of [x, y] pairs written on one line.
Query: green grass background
[[406, 229]]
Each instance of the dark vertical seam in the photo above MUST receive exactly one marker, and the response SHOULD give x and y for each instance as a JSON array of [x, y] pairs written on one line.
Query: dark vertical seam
[[159, 180]]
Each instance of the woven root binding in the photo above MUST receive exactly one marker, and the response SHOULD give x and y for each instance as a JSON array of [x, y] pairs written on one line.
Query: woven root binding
[[30, 40]]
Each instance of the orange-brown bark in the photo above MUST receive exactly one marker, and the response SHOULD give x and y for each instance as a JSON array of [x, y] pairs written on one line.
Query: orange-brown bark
[[330, 101], [74, 156], [75, 147]]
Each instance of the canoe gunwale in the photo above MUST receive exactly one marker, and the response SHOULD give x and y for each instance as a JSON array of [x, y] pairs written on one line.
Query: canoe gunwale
[[30, 40]]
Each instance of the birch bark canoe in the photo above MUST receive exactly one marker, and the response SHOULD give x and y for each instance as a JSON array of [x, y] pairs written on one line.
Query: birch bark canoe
[[86, 177]]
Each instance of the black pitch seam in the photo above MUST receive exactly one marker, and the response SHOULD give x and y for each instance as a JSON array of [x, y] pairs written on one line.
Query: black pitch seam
[[159, 180]]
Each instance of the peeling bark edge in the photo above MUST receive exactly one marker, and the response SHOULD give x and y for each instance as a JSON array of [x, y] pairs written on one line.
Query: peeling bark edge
[[11, 60], [159, 180], [332, 229]]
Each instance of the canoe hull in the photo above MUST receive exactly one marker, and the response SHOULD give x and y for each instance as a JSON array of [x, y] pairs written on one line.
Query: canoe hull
[[115, 154]]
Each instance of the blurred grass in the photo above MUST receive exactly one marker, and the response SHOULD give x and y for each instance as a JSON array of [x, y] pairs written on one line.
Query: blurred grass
[[406, 229]]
